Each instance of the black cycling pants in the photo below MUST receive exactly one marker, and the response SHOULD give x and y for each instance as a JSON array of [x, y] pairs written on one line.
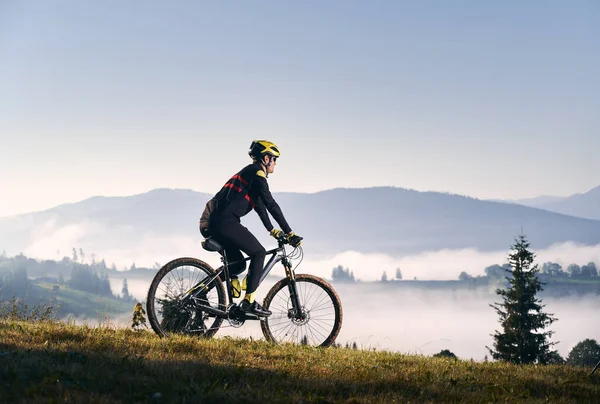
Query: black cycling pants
[[234, 237]]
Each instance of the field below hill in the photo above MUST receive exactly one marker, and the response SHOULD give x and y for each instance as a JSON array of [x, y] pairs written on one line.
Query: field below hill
[[62, 362]]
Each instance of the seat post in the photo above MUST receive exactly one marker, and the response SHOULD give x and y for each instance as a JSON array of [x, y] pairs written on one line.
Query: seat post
[[225, 267]]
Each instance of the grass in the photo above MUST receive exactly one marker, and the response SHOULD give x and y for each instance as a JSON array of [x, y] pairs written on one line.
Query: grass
[[47, 361]]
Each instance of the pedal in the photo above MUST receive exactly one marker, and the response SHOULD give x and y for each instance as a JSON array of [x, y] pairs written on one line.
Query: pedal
[[235, 313], [235, 316]]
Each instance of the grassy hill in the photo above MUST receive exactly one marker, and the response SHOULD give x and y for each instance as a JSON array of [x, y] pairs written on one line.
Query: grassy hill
[[67, 301], [58, 362], [78, 302]]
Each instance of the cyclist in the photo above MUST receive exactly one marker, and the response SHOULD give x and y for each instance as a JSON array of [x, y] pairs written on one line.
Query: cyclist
[[244, 191]]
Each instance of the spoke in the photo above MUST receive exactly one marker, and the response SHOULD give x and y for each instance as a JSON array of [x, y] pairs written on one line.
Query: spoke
[[289, 327], [179, 278], [310, 297], [319, 325], [317, 331], [189, 273], [285, 299], [311, 332], [283, 302], [281, 326], [294, 332], [167, 294], [302, 291], [321, 319], [282, 311], [319, 302], [326, 320], [324, 308]]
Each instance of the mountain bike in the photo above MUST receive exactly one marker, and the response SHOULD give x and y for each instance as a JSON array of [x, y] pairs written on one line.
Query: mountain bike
[[188, 296]]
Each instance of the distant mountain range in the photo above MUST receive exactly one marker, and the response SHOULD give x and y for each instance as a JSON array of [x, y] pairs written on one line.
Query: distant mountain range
[[537, 201], [586, 205], [394, 221]]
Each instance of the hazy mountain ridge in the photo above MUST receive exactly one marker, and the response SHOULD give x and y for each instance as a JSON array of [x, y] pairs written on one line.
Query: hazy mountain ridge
[[585, 205], [387, 220], [537, 201]]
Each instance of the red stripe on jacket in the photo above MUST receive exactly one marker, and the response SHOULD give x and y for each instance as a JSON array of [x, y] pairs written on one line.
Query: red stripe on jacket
[[238, 189], [243, 181]]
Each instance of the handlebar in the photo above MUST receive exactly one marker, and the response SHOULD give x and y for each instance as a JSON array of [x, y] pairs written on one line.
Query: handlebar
[[283, 240]]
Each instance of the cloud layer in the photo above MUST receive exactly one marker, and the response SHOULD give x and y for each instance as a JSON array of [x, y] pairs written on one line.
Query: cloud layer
[[124, 246]]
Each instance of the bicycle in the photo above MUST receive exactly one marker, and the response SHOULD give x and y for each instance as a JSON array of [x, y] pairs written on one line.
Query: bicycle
[[305, 308]]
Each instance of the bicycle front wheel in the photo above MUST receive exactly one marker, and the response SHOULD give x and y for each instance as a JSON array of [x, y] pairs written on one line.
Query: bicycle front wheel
[[321, 312], [170, 308]]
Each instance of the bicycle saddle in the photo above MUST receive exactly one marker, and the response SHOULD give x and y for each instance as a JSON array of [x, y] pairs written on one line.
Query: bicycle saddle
[[211, 245]]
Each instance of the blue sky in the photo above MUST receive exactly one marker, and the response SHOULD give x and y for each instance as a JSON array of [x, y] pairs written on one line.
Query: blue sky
[[488, 99]]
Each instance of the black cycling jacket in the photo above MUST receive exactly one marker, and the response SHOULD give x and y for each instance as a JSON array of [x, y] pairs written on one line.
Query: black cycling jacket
[[247, 190]]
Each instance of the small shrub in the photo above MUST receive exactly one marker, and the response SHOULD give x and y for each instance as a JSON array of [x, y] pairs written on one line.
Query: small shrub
[[584, 353], [139, 317], [15, 309], [445, 353]]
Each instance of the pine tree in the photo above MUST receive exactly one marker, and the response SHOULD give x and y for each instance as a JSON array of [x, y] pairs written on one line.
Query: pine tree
[[125, 289], [522, 339], [339, 274], [398, 274]]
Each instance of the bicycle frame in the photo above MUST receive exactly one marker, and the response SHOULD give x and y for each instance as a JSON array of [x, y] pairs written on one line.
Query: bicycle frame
[[277, 255]]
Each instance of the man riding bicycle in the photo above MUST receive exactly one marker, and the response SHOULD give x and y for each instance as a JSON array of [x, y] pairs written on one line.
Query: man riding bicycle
[[246, 190]]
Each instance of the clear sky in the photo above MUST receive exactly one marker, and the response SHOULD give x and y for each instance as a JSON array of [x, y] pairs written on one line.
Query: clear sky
[[489, 99]]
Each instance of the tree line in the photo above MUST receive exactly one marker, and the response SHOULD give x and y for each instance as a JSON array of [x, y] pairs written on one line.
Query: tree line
[[548, 269], [496, 271]]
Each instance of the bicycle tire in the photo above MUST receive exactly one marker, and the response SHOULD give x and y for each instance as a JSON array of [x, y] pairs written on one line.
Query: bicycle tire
[[169, 268], [268, 325]]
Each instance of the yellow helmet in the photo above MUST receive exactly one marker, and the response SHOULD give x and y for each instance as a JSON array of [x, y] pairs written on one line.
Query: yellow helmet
[[259, 148]]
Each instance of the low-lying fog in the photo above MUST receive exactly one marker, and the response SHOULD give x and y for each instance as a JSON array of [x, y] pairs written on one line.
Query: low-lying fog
[[150, 249]]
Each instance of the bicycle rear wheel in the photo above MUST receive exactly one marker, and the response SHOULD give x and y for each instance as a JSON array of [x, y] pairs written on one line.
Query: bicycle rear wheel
[[169, 308], [321, 308]]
